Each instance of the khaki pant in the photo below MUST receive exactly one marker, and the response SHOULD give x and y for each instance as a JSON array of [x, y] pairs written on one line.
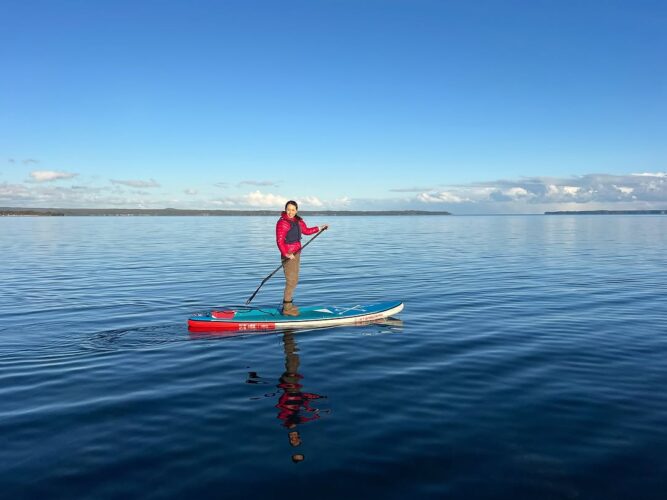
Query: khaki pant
[[291, 268]]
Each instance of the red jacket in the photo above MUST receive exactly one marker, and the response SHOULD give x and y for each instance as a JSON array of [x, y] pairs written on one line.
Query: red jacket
[[282, 228]]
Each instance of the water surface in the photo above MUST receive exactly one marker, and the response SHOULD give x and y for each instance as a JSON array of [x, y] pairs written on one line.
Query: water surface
[[529, 361]]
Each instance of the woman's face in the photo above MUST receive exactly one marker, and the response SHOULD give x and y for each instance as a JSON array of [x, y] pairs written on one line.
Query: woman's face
[[290, 210]]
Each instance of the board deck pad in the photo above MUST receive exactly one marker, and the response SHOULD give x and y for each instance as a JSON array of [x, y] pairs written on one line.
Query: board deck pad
[[261, 318]]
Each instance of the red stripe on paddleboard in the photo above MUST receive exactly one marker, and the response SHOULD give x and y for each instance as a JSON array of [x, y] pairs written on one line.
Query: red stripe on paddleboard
[[219, 326]]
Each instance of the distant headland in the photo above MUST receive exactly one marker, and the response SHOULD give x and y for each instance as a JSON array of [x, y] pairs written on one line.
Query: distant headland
[[119, 212], [609, 212]]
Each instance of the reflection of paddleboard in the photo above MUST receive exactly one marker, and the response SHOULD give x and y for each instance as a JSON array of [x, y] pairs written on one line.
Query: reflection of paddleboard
[[310, 317]]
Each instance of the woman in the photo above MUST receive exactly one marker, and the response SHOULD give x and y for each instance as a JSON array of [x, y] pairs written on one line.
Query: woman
[[289, 229]]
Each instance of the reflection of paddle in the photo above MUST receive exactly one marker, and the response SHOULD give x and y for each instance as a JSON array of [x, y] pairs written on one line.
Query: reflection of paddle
[[281, 265]]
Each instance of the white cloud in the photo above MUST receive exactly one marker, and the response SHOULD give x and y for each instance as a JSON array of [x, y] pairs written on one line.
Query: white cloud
[[648, 174], [516, 192], [258, 183], [13, 192], [152, 183], [311, 202], [190, 192], [259, 199], [55, 196], [27, 161], [50, 175], [224, 203], [253, 200], [440, 197], [412, 190]]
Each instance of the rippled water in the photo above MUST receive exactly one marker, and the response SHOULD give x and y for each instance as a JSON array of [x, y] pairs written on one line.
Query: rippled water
[[530, 360]]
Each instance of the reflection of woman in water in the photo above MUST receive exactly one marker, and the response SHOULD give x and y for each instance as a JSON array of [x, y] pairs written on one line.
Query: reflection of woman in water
[[294, 404]]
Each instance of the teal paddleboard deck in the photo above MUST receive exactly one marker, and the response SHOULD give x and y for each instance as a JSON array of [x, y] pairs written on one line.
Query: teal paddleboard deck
[[246, 318]]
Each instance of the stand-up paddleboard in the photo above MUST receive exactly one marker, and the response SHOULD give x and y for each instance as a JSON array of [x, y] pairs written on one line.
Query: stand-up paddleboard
[[247, 318]]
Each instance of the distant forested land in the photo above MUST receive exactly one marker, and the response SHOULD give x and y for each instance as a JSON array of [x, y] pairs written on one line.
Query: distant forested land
[[177, 212], [609, 212], [19, 212]]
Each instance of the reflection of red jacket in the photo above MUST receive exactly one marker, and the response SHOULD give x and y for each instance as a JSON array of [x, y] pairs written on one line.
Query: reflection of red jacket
[[292, 404], [282, 228]]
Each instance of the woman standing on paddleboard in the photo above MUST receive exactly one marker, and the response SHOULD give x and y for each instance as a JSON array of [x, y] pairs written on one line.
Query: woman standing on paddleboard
[[289, 229]]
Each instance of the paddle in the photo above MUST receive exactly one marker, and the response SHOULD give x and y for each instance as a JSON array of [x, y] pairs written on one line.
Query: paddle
[[281, 265]]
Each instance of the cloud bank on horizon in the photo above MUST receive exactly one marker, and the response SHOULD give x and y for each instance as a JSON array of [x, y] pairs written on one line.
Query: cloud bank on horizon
[[599, 189], [644, 190]]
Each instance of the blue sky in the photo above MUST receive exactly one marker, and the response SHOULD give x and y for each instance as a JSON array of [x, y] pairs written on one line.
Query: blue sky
[[471, 107]]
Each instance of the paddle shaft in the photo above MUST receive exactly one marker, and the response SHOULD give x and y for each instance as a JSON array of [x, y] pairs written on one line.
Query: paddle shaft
[[281, 265]]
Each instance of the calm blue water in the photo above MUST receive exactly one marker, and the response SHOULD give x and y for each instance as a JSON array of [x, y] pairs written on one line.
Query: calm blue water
[[530, 360]]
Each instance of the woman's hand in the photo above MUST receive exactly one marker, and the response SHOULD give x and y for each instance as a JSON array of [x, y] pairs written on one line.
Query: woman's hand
[[289, 256], [323, 227]]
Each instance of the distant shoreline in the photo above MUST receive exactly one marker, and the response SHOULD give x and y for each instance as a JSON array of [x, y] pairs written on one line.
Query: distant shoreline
[[608, 212], [125, 212], [174, 212]]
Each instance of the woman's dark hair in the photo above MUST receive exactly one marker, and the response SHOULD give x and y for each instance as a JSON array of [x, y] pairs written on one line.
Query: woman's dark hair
[[292, 202]]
